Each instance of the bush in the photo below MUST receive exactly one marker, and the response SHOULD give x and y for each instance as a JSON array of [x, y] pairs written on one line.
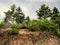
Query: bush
[[14, 29], [2, 24], [17, 26], [58, 33], [42, 25], [33, 26]]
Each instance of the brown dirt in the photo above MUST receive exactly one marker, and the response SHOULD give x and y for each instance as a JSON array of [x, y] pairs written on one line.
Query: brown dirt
[[26, 37]]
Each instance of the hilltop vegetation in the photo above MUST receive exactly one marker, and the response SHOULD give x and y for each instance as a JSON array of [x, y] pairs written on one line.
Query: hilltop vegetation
[[15, 19]]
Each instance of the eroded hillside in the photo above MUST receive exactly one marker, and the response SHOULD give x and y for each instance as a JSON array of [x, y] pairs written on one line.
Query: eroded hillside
[[29, 38]]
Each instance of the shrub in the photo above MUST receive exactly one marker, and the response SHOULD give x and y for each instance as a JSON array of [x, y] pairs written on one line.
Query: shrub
[[58, 33], [17, 26], [33, 26], [42, 25], [14, 29], [2, 24]]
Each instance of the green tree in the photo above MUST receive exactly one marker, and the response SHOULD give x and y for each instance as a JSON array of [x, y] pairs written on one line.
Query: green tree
[[43, 12], [19, 15], [57, 20], [55, 13], [9, 14], [27, 19], [14, 14]]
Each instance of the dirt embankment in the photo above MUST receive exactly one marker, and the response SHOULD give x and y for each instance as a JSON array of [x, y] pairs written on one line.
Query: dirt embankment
[[29, 38]]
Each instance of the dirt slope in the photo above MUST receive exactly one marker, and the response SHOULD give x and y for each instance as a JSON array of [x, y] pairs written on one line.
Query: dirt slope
[[29, 38]]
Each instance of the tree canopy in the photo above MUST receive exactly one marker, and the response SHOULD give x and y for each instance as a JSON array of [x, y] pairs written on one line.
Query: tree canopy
[[54, 13], [43, 12], [14, 14]]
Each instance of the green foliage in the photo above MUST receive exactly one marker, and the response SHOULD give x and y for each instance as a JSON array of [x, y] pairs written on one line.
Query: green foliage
[[19, 15], [57, 33], [55, 13], [17, 26], [45, 25], [43, 12], [27, 20], [42, 25], [9, 14], [57, 20], [2, 24], [14, 29], [14, 14], [33, 25], [52, 25]]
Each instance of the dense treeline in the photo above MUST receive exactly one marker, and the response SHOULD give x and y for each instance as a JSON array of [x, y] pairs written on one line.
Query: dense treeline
[[48, 20]]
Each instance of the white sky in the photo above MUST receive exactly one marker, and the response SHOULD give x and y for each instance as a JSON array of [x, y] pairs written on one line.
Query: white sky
[[28, 6]]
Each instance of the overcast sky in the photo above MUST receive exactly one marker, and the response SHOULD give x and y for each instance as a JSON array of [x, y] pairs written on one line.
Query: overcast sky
[[28, 6]]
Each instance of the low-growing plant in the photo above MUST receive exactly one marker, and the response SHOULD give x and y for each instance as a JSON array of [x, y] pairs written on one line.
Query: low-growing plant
[[42, 25], [33, 26], [17, 26], [2, 24], [58, 33], [14, 29]]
